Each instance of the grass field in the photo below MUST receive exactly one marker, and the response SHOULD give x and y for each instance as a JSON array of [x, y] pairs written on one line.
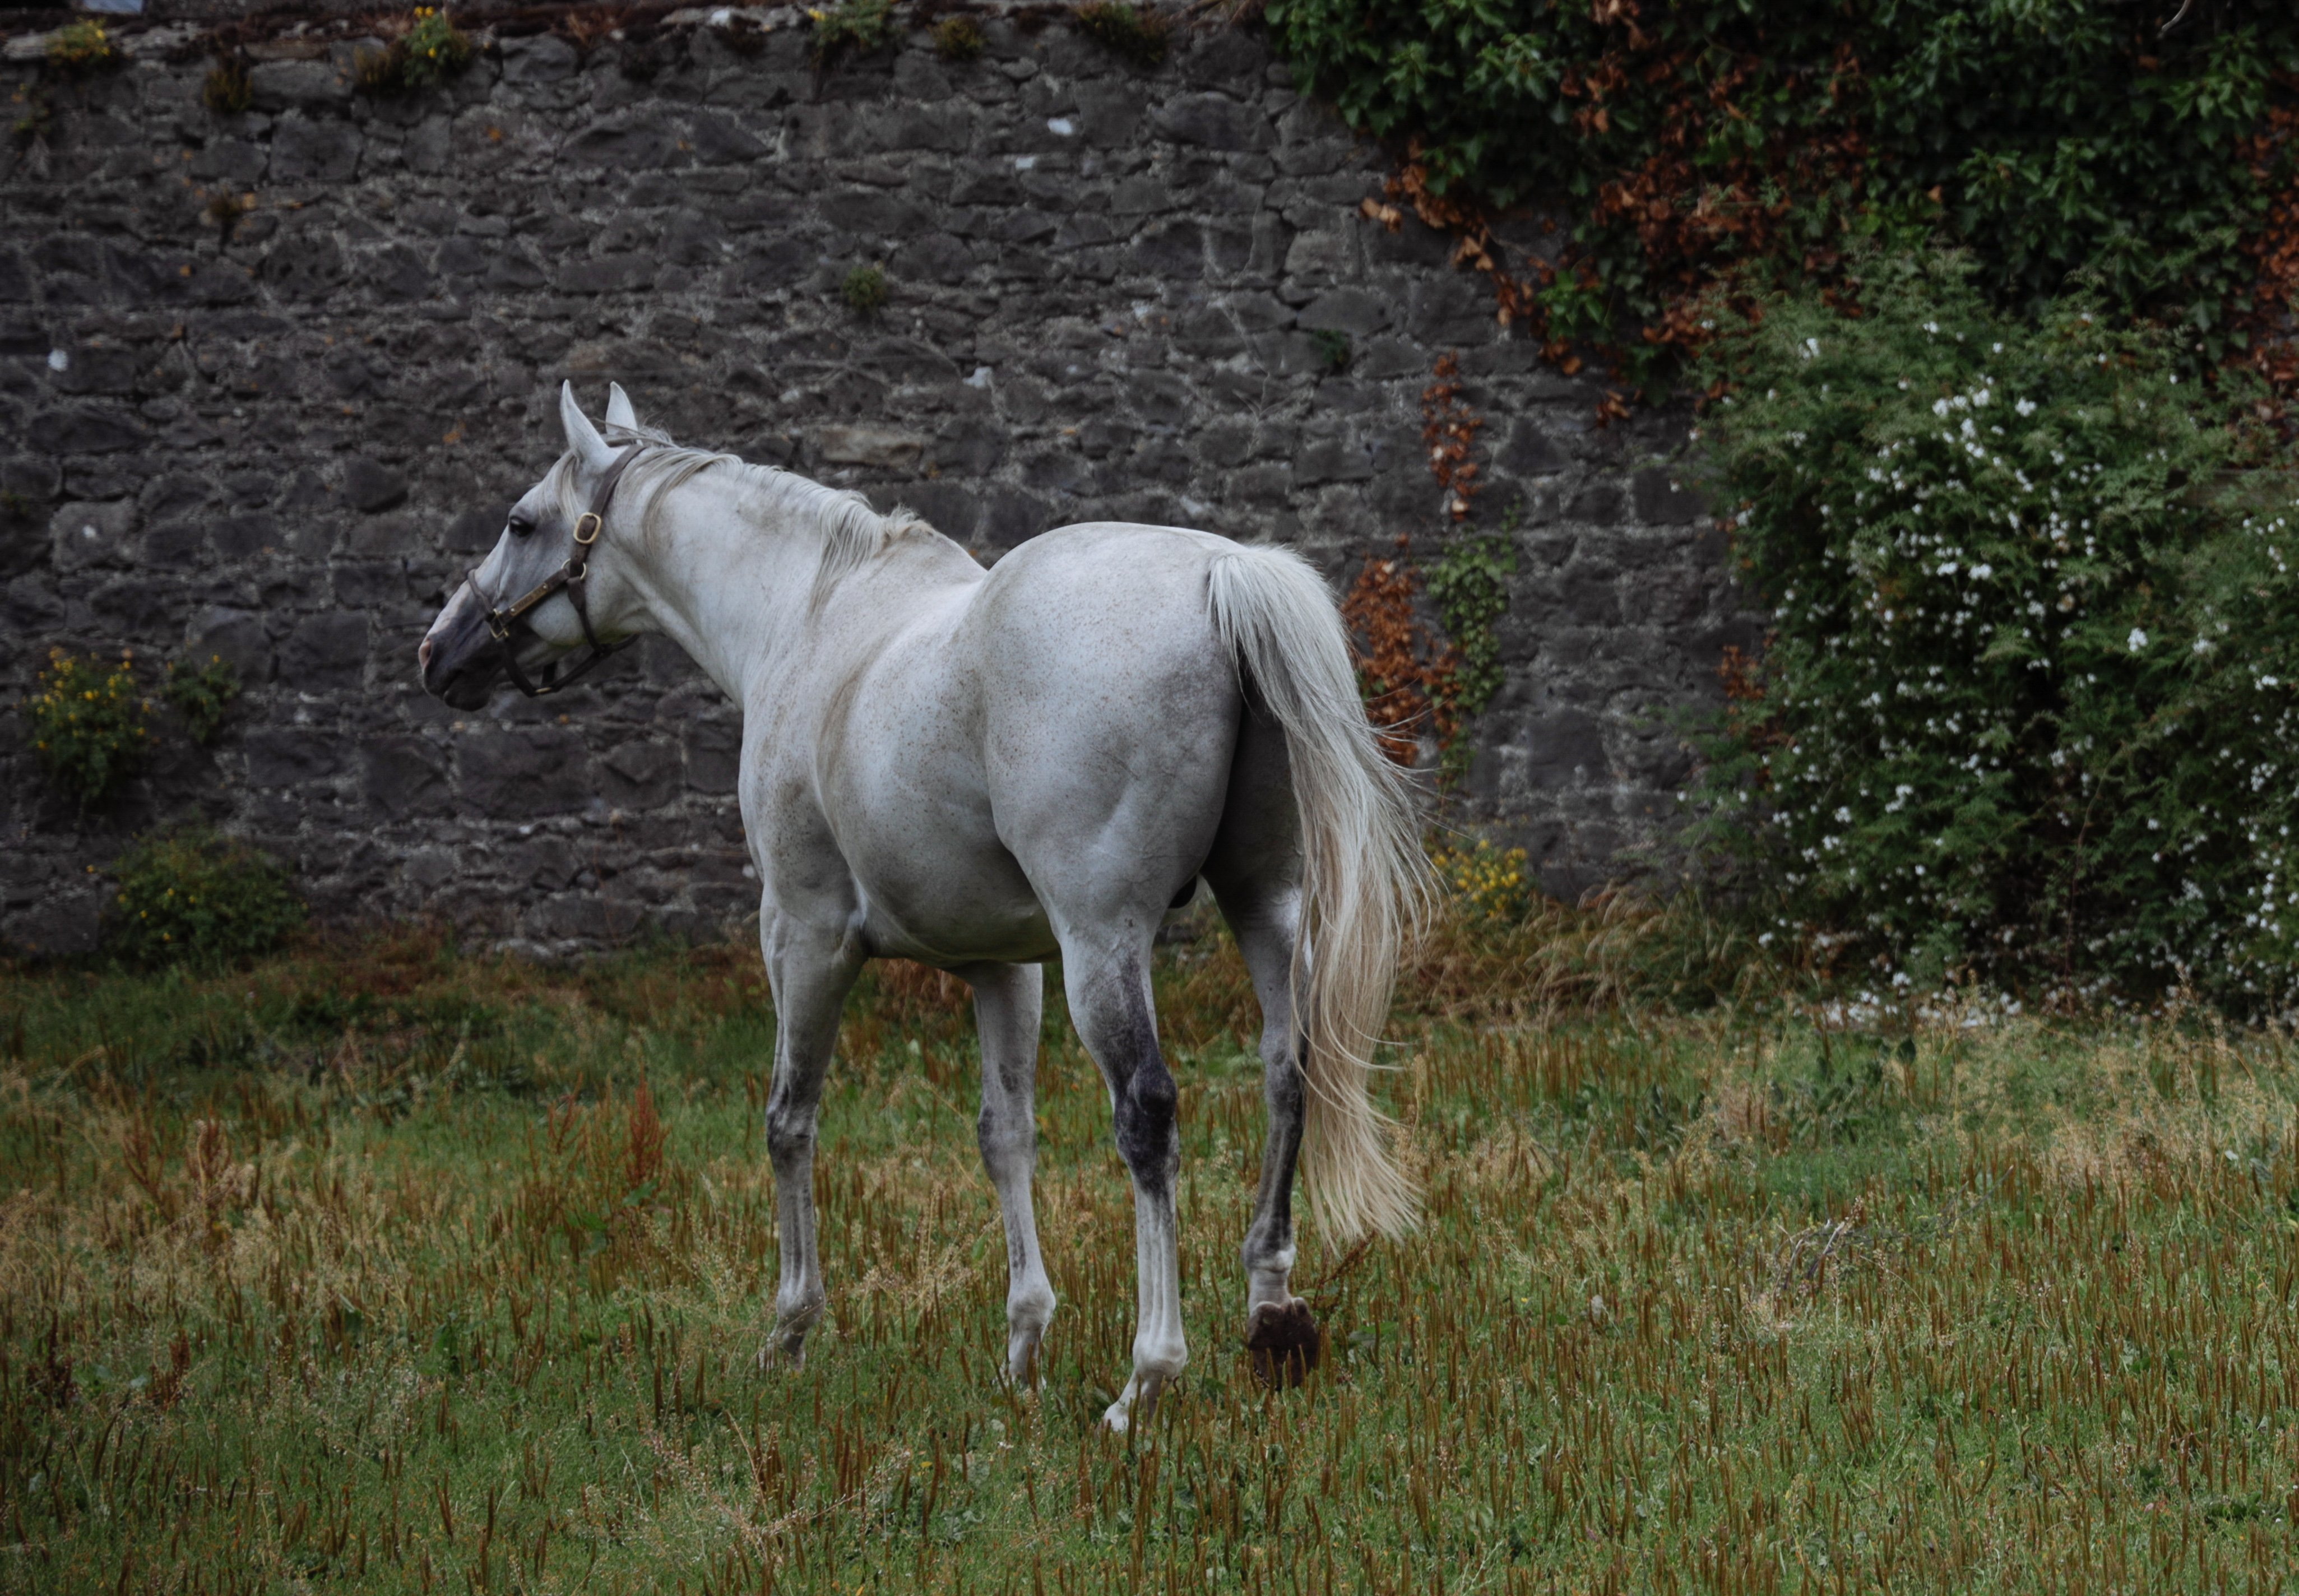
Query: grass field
[[378, 1268]]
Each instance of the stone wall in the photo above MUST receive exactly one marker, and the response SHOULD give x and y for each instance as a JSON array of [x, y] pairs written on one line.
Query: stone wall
[[267, 381]]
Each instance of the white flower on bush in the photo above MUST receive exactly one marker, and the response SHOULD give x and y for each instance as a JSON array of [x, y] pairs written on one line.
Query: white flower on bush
[[2138, 639], [2025, 407]]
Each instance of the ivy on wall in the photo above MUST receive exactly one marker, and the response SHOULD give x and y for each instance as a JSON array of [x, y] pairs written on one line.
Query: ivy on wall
[[1418, 682], [2145, 144]]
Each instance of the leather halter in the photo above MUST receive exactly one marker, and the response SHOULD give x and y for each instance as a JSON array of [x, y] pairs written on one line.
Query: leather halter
[[511, 622]]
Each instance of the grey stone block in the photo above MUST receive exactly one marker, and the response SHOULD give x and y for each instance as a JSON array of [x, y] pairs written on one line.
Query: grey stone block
[[1566, 748], [1530, 452], [521, 775], [714, 754], [404, 776], [82, 535], [234, 636], [60, 926], [324, 652], [283, 84], [541, 58], [369, 486], [290, 756], [1213, 121], [640, 776], [630, 143], [308, 150], [83, 429]]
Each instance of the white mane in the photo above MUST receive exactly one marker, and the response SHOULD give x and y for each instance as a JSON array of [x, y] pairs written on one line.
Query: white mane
[[852, 533]]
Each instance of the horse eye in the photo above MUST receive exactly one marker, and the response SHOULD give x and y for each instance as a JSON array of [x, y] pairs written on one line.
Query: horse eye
[[521, 526]]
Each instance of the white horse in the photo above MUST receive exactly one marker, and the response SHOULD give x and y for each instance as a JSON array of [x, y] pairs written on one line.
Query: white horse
[[980, 769]]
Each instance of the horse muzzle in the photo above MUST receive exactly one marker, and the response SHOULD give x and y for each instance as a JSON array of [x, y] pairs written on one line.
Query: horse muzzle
[[460, 660]]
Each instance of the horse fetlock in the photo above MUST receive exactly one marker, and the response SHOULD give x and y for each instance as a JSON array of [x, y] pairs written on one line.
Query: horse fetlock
[[1159, 1357], [1139, 1398], [1268, 1280], [1031, 1308], [797, 1311], [1022, 1344]]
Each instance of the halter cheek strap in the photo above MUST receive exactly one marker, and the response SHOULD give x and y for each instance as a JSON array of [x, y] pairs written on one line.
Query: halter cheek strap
[[510, 623]]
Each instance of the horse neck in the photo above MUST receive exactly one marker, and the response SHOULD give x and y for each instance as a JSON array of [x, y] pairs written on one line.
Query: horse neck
[[729, 588]]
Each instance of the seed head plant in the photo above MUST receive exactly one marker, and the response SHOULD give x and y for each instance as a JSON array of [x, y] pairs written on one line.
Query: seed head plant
[[958, 38], [229, 88], [1132, 32]]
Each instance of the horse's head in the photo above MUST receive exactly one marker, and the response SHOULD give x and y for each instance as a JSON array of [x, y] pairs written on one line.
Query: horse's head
[[537, 597]]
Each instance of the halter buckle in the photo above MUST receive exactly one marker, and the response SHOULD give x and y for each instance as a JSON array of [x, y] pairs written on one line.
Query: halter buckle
[[583, 541]]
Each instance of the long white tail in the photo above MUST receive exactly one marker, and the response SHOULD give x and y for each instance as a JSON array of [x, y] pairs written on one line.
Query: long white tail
[[1365, 883]]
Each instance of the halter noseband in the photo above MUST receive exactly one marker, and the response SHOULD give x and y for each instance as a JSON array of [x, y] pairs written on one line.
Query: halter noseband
[[510, 623]]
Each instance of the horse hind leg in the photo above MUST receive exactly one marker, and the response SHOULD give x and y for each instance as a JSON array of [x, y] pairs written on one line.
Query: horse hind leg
[[1281, 1338], [1109, 1004], [1009, 1002]]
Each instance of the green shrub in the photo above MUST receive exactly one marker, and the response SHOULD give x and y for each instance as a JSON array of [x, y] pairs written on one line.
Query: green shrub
[[229, 88], [958, 38], [1333, 348], [864, 290], [1687, 141], [197, 897], [199, 694], [860, 26], [1140, 36], [2028, 700], [88, 724]]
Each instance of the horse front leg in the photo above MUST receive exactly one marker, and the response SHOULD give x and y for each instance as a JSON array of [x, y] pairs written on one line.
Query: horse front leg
[[1109, 1004], [1008, 1004], [809, 974]]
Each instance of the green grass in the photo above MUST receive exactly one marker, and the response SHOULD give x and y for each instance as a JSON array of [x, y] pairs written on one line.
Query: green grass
[[379, 1269]]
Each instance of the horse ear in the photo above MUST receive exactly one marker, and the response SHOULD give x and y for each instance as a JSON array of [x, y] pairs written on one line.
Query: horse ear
[[618, 407], [582, 437]]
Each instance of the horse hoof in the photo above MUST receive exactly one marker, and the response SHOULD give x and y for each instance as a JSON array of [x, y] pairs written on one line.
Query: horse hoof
[[1282, 1342]]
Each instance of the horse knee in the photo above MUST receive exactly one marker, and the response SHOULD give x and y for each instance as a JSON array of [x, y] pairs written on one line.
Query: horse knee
[[790, 1135]]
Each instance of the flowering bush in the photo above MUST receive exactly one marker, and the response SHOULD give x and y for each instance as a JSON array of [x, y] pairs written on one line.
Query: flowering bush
[[1487, 882], [88, 724], [430, 51], [199, 898], [2028, 699]]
